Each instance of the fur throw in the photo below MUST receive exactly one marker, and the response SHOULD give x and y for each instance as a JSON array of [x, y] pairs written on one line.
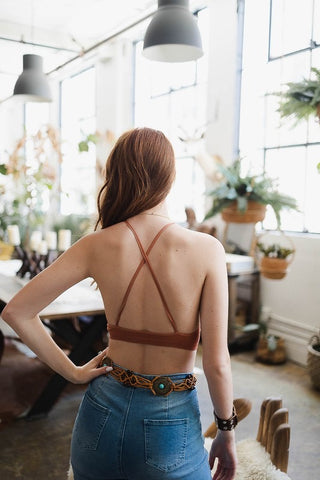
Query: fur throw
[[70, 473], [253, 462]]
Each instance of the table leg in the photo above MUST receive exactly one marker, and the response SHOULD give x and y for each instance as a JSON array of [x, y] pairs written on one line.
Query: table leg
[[232, 287], [56, 384]]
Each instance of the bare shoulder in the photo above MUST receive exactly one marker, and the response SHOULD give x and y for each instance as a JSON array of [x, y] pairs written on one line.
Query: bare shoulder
[[205, 244], [107, 236]]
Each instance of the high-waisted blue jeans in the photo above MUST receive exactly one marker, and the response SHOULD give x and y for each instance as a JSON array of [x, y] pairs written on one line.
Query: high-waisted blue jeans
[[127, 433]]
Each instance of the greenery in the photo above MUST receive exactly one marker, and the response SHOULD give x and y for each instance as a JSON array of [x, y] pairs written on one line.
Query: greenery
[[274, 250], [315, 342], [92, 138], [79, 225], [27, 180], [301, 99], [239, 188]]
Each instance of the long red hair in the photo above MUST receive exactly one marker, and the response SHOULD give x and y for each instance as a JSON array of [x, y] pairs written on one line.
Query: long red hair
[[140, 171]]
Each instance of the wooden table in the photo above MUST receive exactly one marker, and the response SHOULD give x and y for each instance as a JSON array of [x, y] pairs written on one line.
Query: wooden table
[[79, 301]]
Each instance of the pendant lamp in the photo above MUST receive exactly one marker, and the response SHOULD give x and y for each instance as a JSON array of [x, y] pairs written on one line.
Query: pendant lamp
[[32, 85], [173, 34]]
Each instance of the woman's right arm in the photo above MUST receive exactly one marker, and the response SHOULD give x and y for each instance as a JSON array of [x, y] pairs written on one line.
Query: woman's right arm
[[216, 359]]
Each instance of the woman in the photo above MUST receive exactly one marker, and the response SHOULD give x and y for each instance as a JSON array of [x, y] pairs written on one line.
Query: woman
[[160, 283]]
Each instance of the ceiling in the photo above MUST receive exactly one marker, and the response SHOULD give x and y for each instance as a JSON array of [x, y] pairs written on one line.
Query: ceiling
[[65, 27]]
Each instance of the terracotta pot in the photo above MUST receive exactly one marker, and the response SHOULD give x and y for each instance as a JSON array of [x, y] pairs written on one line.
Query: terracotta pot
[[265, 355], [275, 268], [254, 213]]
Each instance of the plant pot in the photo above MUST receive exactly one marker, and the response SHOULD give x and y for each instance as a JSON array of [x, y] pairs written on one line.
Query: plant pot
[[275, 268], [313, 361], [254, 213], [273, 355]]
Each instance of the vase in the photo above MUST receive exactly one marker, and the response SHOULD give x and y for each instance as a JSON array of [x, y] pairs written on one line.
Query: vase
[[255, 213]]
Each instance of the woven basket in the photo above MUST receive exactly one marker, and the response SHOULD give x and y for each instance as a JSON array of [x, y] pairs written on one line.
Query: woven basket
[[255, 213], [274, 357], [313, 362], [272, 267], [275, 268]]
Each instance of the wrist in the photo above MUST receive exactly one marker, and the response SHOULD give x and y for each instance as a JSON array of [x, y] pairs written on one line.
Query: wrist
[[74, 374], [227, 424]]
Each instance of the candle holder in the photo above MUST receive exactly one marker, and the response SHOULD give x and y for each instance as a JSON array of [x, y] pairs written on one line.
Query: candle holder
[[33, 262]]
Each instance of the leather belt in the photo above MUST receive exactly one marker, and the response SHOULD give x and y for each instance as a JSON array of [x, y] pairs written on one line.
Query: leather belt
[[159, 385]]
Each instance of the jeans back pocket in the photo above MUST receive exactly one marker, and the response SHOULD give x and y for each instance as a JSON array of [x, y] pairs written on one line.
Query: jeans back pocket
[[165, 443], [90, 422]]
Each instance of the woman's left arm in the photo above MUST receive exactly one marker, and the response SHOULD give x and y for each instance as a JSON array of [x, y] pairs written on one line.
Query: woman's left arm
[[21, 313]]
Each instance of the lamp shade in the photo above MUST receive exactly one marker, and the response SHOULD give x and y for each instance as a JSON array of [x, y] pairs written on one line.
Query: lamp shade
[[32, 85], [173, 34]]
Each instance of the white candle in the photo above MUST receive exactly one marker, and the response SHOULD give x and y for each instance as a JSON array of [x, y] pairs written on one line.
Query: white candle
[[42, 248], [64, 240], [13, 235], [35, 240], [51, 238]]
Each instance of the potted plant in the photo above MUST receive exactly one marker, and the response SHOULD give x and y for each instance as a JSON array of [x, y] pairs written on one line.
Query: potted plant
[[313, 362], [301, 99], [269, 348], [28, 180], [274, 263], [243, 198]]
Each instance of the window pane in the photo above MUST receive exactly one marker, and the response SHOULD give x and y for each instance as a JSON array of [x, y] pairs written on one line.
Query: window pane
[[312, 216], [291, 23], [188, 190], [78, 170], [37, 115], [203, 63], [287, 165], [172, 98], [261, 127], [316, 24]]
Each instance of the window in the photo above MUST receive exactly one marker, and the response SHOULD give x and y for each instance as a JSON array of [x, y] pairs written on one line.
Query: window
[[280, 46], [78, 170], [172, 97]]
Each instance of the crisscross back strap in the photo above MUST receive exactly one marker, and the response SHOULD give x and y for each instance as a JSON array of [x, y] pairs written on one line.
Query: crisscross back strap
[[145, 260]]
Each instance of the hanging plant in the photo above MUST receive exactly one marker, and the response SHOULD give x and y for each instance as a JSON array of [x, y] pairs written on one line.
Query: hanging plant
[[274, 258], [301, 99], [236, 194]]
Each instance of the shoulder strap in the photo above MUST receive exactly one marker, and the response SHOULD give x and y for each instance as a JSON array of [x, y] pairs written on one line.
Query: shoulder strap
[[144, 260]]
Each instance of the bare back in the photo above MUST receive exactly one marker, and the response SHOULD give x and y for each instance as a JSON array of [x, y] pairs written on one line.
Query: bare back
[[181, 273]]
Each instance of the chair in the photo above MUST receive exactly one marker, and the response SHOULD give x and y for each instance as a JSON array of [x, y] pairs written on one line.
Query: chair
[[274, 431]]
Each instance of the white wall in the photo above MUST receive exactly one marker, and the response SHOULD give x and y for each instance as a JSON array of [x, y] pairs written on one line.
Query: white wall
[[294, 302]]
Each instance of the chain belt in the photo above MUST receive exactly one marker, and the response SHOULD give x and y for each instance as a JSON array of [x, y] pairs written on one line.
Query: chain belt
[[159, 385]]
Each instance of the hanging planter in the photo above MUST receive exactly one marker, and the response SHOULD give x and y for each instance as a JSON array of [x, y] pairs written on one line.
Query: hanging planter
[[254, 213], [274, 268], [243, 198], [276, 258], [313, 362]]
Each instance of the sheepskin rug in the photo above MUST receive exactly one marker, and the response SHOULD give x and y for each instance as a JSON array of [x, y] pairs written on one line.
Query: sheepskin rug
[[253, 462]]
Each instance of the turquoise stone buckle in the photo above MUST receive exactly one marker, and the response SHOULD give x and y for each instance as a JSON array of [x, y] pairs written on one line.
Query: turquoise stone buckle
[[162, 386]]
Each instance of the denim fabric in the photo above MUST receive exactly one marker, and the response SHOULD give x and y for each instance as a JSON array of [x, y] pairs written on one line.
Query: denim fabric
[[127, 433]]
